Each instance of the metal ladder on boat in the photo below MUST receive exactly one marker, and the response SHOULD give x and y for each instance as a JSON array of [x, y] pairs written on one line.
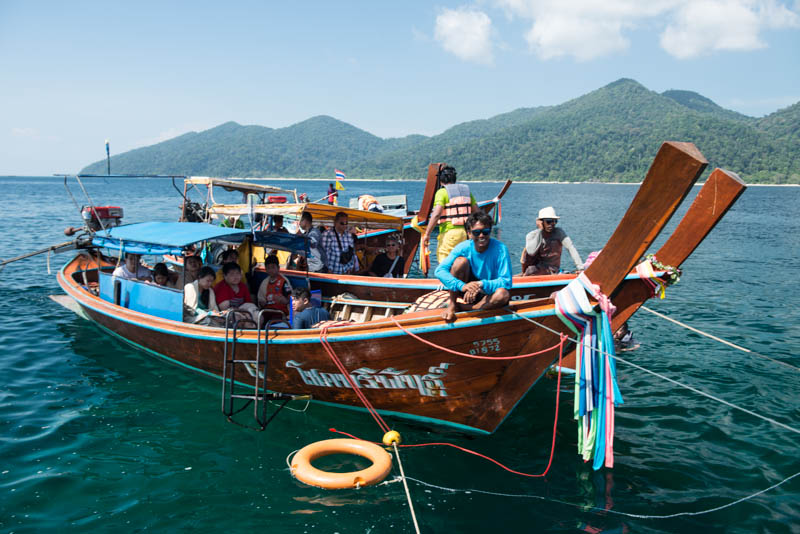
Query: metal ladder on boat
[[237, 396]]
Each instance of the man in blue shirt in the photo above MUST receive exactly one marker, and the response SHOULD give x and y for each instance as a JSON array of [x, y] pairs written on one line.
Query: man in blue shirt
[[306, 315], [479, 270]]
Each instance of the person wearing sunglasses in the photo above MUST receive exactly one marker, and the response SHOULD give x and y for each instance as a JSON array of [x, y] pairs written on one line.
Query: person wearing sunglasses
[[389, 264], [339, 246], [452, 205], [543, 246], [477, 273]]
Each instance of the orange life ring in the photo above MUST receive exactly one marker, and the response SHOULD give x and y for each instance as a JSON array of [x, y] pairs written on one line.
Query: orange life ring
[[305, 472]]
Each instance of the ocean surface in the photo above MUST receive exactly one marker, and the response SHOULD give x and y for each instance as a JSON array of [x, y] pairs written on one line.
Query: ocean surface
[[96, 436]]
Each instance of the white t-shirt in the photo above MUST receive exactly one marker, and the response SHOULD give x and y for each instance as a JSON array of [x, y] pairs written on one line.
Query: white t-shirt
[[142, 273]]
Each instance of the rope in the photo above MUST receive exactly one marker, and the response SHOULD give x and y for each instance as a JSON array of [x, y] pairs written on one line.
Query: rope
[[603, 511], [685, 386], [715, 338], [474, 453], [405, 485], [323, 338], [445, 349]]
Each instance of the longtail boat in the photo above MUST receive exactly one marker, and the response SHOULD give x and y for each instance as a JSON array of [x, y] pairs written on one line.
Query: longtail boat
[[468, 374]]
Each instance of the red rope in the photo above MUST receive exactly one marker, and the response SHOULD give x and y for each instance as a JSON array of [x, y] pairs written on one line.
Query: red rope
[[323, 338], [468, 451], [445, 349]]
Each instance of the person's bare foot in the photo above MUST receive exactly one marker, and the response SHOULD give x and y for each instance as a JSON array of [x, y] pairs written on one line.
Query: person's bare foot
[[449, 314]]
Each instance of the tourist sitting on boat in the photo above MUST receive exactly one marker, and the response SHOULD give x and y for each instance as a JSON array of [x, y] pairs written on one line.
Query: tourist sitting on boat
[[131, 269], [275, 290], [339, 246], [315, 261], [478, 270], [388, 264], [452, 205], [162, 276], [191, 268], [276, 225], [232, 293], [230, 255], [306, 315], [199, 300], [369, 203], [542, 252]]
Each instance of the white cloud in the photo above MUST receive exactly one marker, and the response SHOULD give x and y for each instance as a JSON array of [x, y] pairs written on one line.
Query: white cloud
[[24, 132], [587, 29], [705, 26], [466, 33]]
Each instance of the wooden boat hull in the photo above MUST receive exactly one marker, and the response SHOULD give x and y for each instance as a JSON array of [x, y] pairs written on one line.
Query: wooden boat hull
[[399, 375]]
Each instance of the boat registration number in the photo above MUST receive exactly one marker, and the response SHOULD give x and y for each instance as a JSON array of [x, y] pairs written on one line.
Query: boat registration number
[[485, 346]]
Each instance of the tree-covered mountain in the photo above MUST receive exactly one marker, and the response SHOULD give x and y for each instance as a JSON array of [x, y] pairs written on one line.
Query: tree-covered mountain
[[610, 134]]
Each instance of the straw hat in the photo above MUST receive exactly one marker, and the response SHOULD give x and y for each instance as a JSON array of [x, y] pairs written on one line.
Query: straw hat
[[548, 213]]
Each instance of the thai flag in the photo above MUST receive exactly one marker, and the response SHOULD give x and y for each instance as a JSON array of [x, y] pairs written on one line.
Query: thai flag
[[339, 174]]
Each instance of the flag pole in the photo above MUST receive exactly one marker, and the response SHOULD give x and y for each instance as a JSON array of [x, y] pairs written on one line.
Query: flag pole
[[108, 159]]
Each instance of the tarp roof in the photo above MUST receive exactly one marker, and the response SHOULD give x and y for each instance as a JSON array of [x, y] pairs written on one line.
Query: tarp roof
[[235, 185], [321, 213], [173, 237]]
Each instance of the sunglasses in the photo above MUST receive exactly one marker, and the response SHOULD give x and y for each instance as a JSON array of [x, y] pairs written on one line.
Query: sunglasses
[[485, 231], [550, 221], [391, 244]]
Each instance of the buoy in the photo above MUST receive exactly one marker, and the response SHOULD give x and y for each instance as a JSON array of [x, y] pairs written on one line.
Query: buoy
[[305, 472], [392, 436]]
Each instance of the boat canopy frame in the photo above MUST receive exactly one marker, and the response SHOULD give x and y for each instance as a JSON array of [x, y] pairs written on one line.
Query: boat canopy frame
[[164, 238]]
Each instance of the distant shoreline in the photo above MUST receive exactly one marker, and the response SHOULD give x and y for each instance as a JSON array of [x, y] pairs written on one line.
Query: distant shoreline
[[285, 179]]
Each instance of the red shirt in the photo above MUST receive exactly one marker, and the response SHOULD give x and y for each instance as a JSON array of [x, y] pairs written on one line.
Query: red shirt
[[223, 291]]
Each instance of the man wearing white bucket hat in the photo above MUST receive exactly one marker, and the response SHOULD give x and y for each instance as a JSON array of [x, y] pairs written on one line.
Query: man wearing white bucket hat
[[542, 252]]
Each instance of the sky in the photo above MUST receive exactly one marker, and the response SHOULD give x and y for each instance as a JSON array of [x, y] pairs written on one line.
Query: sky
[[73, 74]]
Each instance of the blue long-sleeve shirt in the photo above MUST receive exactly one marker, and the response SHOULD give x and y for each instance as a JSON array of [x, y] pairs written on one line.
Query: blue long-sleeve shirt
[[492, 267]]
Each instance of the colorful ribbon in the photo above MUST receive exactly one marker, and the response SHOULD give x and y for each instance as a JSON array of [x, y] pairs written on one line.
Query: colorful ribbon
[[596, 390]]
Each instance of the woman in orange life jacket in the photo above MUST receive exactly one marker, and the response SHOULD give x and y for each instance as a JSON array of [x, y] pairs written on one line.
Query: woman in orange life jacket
[[452, 205]]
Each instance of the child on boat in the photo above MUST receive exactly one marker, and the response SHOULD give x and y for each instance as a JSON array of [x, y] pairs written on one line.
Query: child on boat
[[232, 293], [275, 290], [162, 276], [199, 300]]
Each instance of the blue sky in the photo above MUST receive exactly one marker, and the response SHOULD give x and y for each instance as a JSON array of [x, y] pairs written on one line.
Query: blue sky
[[73, 74]]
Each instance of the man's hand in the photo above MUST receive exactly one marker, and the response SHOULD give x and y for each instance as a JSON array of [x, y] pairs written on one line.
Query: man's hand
[[471, 291], [426, 239]]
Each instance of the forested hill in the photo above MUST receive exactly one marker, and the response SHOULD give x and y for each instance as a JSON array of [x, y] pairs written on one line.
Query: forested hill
[[610, 134]]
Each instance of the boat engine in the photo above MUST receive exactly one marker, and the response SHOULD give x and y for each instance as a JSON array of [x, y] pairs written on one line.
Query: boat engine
[[109, 216]]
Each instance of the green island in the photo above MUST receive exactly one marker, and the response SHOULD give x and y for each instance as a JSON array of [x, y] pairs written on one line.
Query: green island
[[608, 135]]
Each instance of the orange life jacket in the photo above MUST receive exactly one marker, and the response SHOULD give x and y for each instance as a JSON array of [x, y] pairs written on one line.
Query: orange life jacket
[[365, 201], [459, 206]]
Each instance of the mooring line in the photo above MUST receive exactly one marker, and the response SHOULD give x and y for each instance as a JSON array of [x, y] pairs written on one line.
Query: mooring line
[[715, 338], [597, 509], [405, 485], [677, 383]]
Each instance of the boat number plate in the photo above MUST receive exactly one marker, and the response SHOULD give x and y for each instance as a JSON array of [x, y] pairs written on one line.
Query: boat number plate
[[485, 346]]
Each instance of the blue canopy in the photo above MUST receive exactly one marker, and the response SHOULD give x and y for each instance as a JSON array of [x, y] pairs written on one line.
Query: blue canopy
[[163, 237], [173, 237]]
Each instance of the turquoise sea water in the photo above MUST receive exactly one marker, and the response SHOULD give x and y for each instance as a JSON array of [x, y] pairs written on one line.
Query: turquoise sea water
[[97, 436]]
